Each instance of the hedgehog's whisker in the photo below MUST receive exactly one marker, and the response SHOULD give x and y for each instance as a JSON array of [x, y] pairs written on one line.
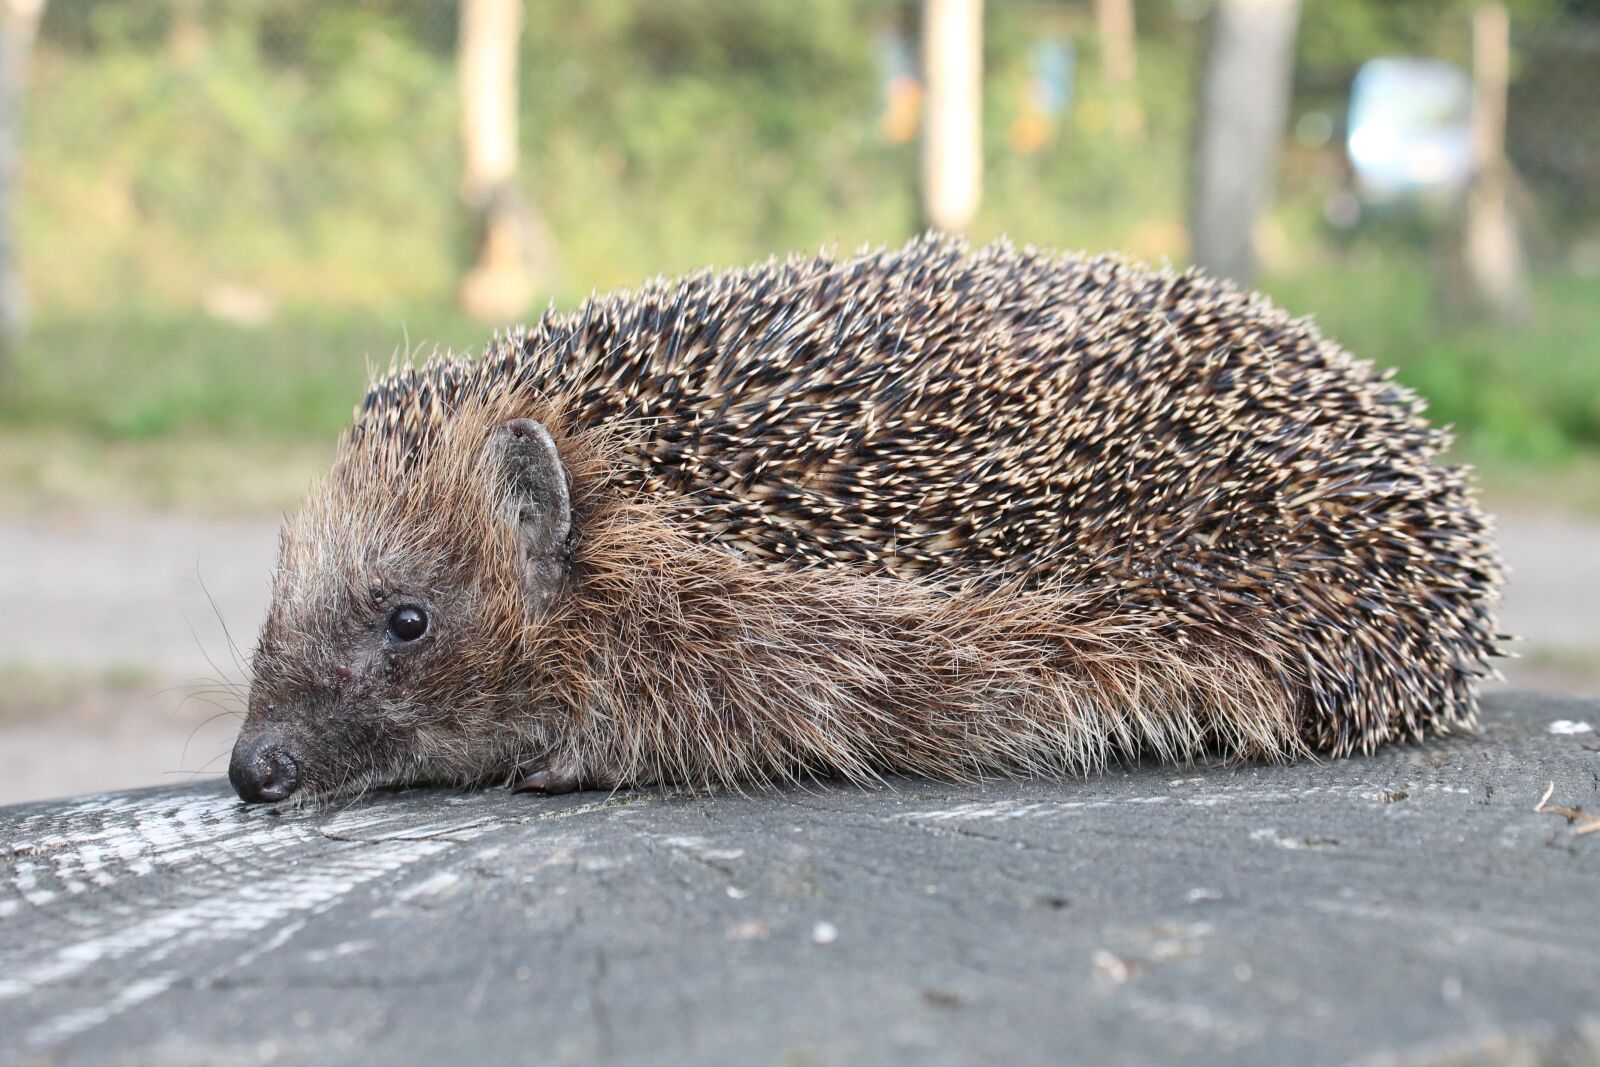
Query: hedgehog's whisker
[[240, 661]]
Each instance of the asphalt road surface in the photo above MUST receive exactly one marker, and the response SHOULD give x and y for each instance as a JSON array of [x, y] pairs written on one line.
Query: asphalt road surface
[[1431, 904]]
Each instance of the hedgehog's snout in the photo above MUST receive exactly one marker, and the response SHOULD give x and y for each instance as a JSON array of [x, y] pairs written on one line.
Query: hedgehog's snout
[[263, 769]]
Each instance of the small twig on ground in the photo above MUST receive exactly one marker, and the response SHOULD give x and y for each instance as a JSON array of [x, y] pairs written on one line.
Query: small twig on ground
[[1587, 822]]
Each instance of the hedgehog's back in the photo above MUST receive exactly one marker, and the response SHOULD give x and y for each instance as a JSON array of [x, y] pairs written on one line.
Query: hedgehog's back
[[950, 417], [927, 411]]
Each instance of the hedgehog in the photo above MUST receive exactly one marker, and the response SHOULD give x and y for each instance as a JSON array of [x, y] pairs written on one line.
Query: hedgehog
[[932, 511]]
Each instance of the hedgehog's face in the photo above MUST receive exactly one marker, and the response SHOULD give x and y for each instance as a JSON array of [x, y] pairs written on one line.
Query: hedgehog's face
[[395, 610]]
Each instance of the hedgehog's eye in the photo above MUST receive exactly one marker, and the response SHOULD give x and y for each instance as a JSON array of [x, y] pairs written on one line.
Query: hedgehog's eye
[[407, 622]]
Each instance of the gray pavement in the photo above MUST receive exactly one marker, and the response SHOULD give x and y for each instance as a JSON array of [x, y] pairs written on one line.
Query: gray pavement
[[1408, 908], [118, 625], [115, 590], [1553, 590]]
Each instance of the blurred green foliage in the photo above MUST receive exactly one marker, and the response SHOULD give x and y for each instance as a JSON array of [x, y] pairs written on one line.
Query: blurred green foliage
[[305, 153], [1348, 32], [140, 374], [154, 168], [1530, 393], [310, 149]]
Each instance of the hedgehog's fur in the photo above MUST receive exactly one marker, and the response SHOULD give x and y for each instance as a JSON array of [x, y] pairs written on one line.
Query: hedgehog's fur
[[937, 511]]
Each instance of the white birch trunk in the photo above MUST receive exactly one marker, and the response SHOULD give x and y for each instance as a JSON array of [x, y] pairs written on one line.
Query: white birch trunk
[[952, 130]]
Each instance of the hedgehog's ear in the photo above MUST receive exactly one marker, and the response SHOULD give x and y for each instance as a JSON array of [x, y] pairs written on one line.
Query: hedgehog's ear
[[541, 504]]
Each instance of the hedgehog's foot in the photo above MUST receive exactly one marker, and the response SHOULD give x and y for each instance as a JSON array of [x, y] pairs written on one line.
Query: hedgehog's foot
[[548, 780], [555, 779]]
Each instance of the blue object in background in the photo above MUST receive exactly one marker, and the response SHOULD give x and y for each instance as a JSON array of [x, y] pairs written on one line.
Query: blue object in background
[[1054, 63], [1410, 128]]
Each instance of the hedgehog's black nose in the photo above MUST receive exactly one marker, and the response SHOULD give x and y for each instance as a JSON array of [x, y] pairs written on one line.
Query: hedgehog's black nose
[[263, 771]]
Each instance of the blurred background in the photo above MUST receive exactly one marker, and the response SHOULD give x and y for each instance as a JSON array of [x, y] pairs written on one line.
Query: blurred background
[[217, 217]]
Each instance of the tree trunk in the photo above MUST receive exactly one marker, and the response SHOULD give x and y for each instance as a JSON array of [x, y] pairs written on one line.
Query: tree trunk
[[1492, 248], [186, 32], [1244, 101], [19, 22], [512, 254], [1119, 66], [952, 129]]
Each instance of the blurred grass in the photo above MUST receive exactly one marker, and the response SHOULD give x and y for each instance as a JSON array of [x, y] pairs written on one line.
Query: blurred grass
[[71, 470], [148, 409], [31, 691], [1530, 393], [1527, 394], [186, 410], [134, 375]]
